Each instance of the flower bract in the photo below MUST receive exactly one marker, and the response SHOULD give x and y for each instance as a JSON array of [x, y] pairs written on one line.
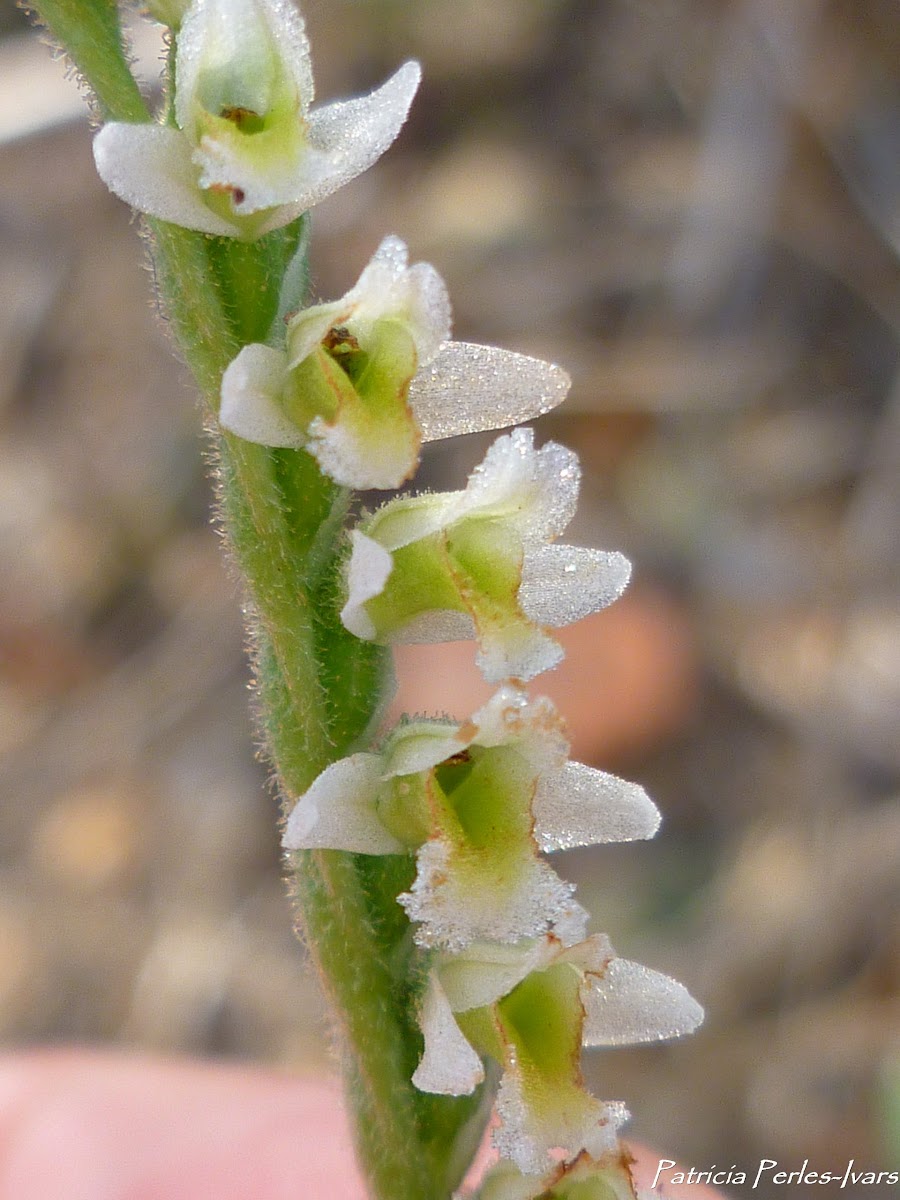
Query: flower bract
[[531, 1007], [247, 154], [436, 568], [476, 803], [365, 379]]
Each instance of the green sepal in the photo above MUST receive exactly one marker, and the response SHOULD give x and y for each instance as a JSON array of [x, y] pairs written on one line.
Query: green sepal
[[479, 1026], [404, 810], [317, 387], [419, 582]]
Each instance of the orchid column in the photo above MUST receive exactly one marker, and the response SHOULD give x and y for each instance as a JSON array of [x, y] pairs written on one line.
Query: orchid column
[[457, 960]]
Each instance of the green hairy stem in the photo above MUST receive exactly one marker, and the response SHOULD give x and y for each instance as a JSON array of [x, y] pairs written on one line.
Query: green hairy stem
[[90, 33]]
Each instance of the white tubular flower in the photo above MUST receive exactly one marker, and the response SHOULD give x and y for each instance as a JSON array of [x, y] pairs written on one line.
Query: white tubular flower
[[365, 379], [437, 568], [477, 803], [532, 1007], [248, 155]]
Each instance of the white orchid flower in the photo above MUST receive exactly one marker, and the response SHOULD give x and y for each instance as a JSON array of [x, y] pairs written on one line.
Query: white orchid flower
[[437, 568], [478, 803], [248, 155], [532, 1007], [365, 379]]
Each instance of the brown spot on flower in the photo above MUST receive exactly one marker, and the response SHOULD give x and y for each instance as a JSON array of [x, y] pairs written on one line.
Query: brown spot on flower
[[461, 756], [242, 117], [467, 731], [339, 340], [237, 194]]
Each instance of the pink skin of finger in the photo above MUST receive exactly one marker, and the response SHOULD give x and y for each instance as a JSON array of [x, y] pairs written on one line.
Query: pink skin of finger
[[85, 1125]]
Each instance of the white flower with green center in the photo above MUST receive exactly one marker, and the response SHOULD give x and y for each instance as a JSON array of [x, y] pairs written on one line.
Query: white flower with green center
[[248, 155], [437, 568], [477, 803], [365, 379], [531, 1008]]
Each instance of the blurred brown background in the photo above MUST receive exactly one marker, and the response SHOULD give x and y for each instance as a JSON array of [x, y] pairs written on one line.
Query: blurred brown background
[[693, 205]]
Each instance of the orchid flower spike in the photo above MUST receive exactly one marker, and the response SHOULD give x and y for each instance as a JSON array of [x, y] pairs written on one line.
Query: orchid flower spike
[[365, 379], [437, 568], [485, 1001], [248, 155], [477, 802]]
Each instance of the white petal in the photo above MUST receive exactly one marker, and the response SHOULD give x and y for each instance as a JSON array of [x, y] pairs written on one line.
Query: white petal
[[368, 571], [533, 725], [242, 35], [570, 927], [379, 277], [630, 1003], [338, 811], [428, 307], [251, 386], [457, 904], [469, 388], [388, 287], [438, 625], [421, 745], [516, 651], [410, 518], [487, 971], [506, 1182], [347, 137], [590, 954], [603, 1138], [307, 328], [579, 806], [150, 168], [354, 457], [449, 1066], [562, 584], [393, 254], [507, 715], [536, 491], [529, 1140]]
